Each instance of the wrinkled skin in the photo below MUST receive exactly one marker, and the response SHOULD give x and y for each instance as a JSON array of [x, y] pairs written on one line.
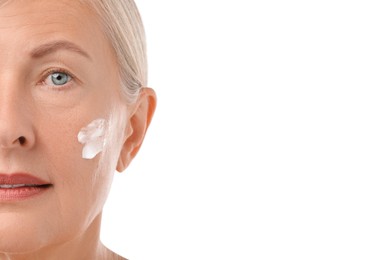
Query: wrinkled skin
[[64, 221]]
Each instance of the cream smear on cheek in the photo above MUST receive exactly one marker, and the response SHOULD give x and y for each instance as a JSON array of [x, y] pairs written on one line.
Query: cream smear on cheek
[[93, 138]]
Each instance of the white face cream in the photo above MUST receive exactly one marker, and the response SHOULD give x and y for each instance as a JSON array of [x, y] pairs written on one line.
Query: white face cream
[[93, 138]]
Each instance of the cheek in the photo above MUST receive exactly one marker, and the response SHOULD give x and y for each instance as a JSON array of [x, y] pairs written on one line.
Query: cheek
[[62, 153], [80, 188], [81, 156]]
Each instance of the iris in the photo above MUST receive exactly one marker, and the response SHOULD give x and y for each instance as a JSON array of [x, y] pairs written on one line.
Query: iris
[[60, 78]]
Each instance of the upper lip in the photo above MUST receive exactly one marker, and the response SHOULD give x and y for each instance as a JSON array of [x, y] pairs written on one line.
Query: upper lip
[[20, 178]]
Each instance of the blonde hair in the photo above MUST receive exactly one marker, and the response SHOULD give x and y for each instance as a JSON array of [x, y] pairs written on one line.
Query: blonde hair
[[124, 29]]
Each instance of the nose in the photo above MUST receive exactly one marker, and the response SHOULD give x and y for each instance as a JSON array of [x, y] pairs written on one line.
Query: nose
[[8, 142], [16, 129]]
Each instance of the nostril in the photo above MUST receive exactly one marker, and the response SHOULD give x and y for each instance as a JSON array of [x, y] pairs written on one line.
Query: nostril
[[22, 140]]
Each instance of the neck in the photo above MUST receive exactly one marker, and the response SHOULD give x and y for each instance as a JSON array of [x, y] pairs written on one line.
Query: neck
[[85, 246]]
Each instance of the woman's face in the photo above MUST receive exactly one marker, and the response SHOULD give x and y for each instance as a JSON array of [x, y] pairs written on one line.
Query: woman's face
[[57, 75]]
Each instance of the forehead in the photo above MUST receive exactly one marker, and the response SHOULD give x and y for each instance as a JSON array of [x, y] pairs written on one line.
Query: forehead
[[28, 23]]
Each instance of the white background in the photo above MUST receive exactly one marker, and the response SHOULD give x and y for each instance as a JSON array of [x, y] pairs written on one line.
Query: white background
[[271, 139]]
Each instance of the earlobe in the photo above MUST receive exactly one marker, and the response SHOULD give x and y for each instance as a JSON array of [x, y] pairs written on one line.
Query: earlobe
[[123, 161], [138, 123]]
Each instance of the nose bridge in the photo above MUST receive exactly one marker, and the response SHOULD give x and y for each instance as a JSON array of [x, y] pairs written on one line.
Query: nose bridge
[[15, 116]]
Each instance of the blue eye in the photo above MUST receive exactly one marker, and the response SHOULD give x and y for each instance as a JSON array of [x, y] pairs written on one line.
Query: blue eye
[[58, 79]]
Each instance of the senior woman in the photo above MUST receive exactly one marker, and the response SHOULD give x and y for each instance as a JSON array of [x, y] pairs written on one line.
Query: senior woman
[[73, 109]]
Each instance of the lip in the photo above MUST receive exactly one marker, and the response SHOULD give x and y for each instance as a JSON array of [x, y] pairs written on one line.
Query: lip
[[21, 186]]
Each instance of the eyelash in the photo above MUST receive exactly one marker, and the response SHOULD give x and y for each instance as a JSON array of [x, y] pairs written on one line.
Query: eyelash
[[58, 70]]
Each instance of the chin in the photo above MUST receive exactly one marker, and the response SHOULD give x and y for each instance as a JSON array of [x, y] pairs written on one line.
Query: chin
[[22, 234], [16, 244]]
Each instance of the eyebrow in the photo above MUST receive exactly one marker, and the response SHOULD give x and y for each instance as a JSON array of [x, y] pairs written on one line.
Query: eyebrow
[[51, 47]]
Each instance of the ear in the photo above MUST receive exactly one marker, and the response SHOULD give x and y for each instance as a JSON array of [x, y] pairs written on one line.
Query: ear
[[137, 125]]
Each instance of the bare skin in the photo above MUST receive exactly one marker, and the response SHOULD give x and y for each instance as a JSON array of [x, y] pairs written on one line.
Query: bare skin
[[63, 222]]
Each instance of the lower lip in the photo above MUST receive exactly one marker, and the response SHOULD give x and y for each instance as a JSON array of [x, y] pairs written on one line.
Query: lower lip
[[21, 193]]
